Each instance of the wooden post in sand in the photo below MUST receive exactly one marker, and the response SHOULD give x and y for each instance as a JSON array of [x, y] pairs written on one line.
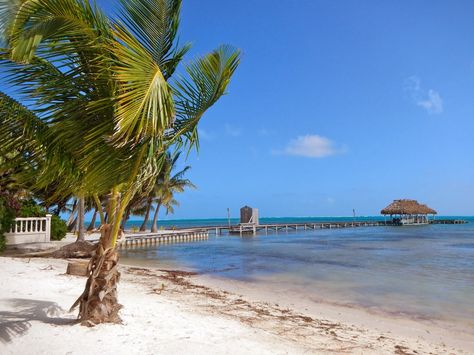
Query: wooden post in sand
[[77, 268]]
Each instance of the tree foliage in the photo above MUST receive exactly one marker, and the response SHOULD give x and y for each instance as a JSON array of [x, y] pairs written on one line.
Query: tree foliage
[[9, 206], [104, 99]]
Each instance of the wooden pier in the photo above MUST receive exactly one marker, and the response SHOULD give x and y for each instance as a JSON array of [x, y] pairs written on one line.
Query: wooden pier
[[241, 229], [286, 227], [448, 221], [150, 239], [202, 232]]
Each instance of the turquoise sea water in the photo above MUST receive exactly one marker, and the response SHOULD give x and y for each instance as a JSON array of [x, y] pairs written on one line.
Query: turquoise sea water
[[422, 271]]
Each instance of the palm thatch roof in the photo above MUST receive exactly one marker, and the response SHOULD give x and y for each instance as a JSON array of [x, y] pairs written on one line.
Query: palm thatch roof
[[407, 207]]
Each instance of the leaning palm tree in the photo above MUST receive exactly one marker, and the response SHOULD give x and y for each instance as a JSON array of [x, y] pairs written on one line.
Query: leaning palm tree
[[146, 214], [167, 185], [103, 103]]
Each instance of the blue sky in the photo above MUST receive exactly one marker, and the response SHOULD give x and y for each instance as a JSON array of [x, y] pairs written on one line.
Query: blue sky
[[336, 105]]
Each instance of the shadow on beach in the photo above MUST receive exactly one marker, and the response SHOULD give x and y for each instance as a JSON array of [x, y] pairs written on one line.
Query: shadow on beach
[[17, 321]]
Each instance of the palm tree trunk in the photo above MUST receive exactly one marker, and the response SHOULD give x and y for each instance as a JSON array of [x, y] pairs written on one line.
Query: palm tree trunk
[[71, 223], [154, 225], [99, 303], [92, 224], [99, 208], [60, 206], [147, 215], [125, 218], [80, 220]]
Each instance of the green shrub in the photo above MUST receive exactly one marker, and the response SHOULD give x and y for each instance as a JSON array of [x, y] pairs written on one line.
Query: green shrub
[[58, 228], [3, 243], [7, 216], [29, 208]]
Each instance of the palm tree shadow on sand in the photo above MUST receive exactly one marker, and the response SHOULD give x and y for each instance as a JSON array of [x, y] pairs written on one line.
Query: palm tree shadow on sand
[[17, 322]]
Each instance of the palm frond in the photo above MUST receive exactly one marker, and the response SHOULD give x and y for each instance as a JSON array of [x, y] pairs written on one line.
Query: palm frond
[[20, 129], [208, 78], [145, 107], [155, 24], [8, 10], [54, 27]]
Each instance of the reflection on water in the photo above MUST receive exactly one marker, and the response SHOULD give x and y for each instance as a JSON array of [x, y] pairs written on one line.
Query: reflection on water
[[426, 270]]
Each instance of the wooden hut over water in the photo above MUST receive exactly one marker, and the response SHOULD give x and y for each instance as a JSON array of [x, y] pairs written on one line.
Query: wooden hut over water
[[249, 215], [408, 212]]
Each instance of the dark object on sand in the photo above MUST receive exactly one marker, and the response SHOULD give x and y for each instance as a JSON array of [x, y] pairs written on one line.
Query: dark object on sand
[[80, 249], [77, 268]]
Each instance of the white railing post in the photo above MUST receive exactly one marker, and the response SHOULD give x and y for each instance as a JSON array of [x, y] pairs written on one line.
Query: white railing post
[[48, 228]]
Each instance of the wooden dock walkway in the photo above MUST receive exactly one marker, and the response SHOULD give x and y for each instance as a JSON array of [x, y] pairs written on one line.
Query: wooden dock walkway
[[148, 239], [279, 227], [145, 239]]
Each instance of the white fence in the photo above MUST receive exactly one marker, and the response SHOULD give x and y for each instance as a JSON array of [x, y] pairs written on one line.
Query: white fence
[[30, 230]]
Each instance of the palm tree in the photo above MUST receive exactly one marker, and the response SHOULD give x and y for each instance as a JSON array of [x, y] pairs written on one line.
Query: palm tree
[[148, 209], [167, 185], [104, 102]]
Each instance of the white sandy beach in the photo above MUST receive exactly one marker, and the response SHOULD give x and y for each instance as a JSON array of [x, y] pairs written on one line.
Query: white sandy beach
[[175, 313]]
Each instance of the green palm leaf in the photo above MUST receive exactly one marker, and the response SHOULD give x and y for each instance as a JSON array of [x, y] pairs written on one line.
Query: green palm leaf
[[207, 80], [144, 102]]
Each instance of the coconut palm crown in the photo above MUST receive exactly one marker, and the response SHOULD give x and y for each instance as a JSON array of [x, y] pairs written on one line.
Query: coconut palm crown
[[103, 101]]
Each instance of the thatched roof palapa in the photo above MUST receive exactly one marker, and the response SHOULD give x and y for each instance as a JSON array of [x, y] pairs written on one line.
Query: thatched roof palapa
[[407, 207]]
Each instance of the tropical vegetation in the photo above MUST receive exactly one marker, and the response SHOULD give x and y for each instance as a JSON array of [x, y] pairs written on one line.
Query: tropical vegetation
[[103, 101], [9, 206]]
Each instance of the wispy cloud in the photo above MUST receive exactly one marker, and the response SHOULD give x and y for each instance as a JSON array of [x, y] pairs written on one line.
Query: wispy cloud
[[430, 99], [205, 135], [264, 132], [232, 130], [311, 146]]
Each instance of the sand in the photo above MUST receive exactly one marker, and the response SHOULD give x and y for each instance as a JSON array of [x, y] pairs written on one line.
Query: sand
[[171, 312]]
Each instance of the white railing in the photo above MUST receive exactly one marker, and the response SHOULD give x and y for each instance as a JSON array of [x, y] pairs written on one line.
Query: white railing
[[30, 230]]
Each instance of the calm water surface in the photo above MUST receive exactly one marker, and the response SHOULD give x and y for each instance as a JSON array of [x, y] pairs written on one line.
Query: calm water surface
[[424, 271]]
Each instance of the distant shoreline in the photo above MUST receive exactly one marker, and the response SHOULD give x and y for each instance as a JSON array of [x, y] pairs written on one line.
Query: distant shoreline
[[222, 220]]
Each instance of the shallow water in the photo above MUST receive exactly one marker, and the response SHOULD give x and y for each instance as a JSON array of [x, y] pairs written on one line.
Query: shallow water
[[423, 271]]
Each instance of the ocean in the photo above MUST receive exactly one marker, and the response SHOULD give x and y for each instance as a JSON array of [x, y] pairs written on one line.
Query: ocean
[[423, 272]]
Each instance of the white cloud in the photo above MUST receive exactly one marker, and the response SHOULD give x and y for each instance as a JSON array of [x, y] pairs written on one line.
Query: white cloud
[[433, 104], [312, 146], [233, 131], [430, 99]]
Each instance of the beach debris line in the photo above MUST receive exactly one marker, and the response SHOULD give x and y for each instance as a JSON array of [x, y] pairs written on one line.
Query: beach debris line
[[317, 334]]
